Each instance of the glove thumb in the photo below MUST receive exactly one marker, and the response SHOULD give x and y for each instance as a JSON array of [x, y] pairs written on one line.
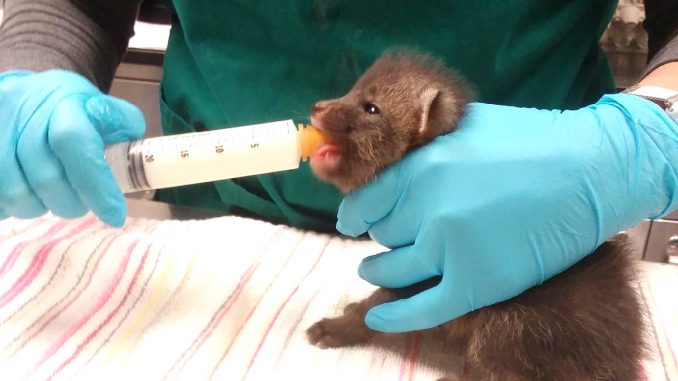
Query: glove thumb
[[115, 119]]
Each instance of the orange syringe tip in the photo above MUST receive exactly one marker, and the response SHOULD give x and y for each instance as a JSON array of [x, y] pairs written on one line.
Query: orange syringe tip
[[310, 139]]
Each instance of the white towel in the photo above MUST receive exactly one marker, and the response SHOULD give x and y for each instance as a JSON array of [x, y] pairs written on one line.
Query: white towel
[[223, 299]]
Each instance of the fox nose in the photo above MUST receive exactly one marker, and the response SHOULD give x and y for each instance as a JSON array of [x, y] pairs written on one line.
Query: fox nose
[[318, 108]]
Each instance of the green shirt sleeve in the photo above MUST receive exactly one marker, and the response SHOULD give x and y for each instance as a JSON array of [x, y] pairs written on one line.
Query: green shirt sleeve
[[89, 37]]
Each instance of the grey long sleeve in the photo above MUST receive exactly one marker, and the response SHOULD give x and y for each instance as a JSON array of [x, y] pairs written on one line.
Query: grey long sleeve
[[89, 37]]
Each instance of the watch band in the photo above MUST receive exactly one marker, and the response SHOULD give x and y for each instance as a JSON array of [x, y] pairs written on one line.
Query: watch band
[[664, 98], [667, 99]]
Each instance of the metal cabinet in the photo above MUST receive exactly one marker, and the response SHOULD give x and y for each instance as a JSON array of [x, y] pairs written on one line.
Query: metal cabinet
[[662, 241], [656, 241], [139, 83]]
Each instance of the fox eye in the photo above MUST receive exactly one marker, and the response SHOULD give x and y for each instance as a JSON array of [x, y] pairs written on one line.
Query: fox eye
[[371, 109]]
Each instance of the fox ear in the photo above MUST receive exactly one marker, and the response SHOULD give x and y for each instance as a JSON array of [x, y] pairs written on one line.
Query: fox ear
[[429, 118], [439, 111]]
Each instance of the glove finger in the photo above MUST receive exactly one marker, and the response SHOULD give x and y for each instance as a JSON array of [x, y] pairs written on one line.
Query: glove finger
[[399, 267], [422, 311], [16, 197], [46, 176], [21, 202], [79, 147], [398, 229], [116, 120], [367, 205]]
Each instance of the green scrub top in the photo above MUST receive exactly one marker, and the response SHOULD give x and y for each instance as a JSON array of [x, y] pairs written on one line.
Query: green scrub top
[[233, 63]]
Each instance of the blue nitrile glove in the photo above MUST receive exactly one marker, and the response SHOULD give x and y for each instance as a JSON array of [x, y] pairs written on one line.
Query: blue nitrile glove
[[511, 198], [53, 128]]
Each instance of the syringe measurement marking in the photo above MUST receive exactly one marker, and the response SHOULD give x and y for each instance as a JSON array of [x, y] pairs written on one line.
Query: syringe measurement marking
[[184, 145]]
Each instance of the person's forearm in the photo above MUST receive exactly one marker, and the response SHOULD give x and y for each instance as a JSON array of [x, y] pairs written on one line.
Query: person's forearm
[[86, 36], [665, 75]]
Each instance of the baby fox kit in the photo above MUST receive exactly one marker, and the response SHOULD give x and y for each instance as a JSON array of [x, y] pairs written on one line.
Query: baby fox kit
[[584, 324]]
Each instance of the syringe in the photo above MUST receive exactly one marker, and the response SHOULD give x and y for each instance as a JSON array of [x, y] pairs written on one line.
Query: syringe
[[199, 157]]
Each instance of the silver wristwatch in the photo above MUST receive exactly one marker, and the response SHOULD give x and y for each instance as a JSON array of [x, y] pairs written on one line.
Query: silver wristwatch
[[667, 99]]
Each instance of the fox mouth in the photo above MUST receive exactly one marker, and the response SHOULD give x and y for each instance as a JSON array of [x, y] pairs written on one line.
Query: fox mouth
[[327, 159]]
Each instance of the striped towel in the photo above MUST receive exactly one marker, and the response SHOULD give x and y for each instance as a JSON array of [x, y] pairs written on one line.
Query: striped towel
[[222, 299]]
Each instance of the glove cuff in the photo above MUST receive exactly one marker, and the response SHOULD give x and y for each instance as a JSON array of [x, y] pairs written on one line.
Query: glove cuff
[[14, 74], [655, 156]]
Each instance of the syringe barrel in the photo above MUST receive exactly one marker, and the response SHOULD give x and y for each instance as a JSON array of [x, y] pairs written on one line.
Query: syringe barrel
[[193, 158], [120, 159]]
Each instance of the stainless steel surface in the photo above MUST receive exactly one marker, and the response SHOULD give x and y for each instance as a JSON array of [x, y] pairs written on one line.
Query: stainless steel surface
[[162, 211], [660, 245], [638, 236], [141, 92], [672, 250], [139, 72], [673, 242]]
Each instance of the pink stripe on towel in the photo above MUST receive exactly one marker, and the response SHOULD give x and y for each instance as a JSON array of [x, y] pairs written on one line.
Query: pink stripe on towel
[[219, 315], [247, 318], [88, 315], [214, 321], [280, 309], [112, 313], [103, 246], [9, 262], [39, 261]]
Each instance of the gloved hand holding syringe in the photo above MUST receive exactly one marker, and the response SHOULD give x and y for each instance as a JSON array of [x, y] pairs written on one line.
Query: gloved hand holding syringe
[[170, 161], [57, 129]]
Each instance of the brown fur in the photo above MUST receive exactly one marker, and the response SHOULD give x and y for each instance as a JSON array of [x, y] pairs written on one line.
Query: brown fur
[[584, 324], [412, 91]]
